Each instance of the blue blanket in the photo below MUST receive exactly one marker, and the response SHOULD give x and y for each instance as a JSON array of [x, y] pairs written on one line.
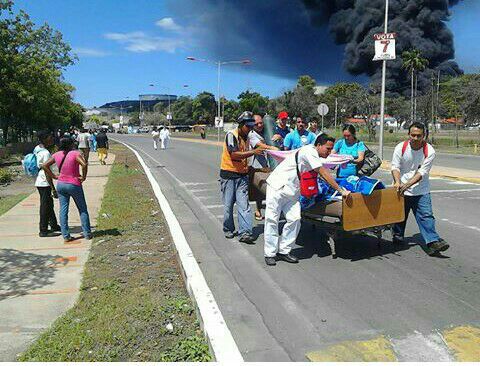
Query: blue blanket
[[363, 185]]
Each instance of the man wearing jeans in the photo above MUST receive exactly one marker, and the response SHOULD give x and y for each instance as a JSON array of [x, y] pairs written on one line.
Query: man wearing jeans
[[411, 164], [234, 179]]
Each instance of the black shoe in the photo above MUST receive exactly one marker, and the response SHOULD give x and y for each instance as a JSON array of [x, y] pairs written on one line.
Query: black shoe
[[48, 234], [271, 261], [248, 239], [439, 246], [398, 241], [287, 258], [229, 235], [56, 228]]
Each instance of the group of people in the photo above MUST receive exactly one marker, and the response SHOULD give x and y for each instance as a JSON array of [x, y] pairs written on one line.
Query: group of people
[[244, 153], [160, 136], [64, 158]]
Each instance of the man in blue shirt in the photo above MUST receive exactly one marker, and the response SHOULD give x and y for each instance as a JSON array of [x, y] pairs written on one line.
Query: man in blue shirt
[[299, 137]]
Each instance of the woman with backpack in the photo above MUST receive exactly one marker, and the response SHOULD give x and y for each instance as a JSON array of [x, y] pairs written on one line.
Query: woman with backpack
[[349, 145], [69, 185]]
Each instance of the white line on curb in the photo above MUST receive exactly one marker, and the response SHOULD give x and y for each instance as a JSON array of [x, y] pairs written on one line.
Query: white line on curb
[[214, 326]]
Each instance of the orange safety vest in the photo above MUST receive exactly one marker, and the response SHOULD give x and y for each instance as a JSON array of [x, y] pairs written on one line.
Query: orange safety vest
[[229, 164]]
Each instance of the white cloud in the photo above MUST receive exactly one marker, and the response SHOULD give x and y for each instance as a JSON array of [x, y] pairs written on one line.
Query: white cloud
[[89, 52], [168, 24], [141, 42]]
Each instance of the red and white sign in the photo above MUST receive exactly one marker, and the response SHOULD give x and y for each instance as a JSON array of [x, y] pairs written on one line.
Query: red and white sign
[[384, 46]]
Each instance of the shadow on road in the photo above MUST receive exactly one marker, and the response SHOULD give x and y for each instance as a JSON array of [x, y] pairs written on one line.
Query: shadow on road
[[22, 272]]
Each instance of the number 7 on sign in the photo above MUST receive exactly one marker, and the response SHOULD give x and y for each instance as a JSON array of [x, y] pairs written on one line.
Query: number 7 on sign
[[385, 43]]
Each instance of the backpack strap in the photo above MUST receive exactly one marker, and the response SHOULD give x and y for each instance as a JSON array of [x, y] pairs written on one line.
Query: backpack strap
[[404, 147], [425, 150], [424, 147], [61, 163]]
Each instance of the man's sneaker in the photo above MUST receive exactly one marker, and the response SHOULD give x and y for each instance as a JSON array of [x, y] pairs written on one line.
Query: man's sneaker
[[439, 246], [248, 239], [229, 235], [270, 261], [287, 258], [56, 228]]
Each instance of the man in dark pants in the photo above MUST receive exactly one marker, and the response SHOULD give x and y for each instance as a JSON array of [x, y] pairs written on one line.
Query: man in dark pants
[[45, 186]]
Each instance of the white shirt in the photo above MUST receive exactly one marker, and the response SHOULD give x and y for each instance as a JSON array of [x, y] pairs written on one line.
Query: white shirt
[[155, 135], [164, 134], [285, 174], [42, 155], [410, 163], [83, 140]]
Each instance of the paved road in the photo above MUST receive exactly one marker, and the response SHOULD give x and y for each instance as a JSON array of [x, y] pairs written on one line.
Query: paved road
[[284, 312]]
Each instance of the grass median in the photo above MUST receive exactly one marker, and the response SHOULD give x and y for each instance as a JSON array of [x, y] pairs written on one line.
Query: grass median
[[6, 203], [133, 305]]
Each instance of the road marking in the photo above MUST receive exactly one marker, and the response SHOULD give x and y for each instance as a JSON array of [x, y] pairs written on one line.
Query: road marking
[[471, 227], [213, 206], [455, 190], [204, 190], [200, 183], [220, 338], [460, 183], [465, 343], [373, 350]]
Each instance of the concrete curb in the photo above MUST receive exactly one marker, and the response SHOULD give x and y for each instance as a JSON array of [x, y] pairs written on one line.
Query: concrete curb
[[220, 339]]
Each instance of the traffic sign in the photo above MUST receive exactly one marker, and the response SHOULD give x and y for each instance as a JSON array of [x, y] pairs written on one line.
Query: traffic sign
[[219, 122], [322, 109], [169, 116], [384, 46]]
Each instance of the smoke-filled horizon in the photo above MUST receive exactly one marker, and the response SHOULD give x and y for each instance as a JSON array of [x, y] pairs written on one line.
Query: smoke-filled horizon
[[330, 40]]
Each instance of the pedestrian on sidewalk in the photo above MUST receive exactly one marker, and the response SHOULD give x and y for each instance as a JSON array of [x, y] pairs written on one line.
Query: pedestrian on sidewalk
[[283, 193], [83, 140], [46, 188], [234, 179], [156, 137], [411, 164], [102, 146], [69, 185], [93, 141]]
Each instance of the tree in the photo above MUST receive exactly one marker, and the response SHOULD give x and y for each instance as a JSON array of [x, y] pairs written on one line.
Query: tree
[[413, 62], [253, 102], [231, 110], [204, 108], [307, 82]]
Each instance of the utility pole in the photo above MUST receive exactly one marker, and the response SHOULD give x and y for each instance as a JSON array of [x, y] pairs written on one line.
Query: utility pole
[[336, 111], [218, 106], [382, 102], [438, 101], [433, 106]]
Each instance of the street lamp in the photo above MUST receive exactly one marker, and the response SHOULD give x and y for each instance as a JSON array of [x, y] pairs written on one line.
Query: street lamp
[[382, 100], [219, 64]]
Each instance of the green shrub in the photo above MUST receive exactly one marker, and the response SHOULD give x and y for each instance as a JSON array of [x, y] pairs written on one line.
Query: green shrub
[[190, 349], [5, 176]]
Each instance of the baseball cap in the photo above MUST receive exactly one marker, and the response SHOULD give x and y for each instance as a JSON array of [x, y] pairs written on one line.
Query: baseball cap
[[282, 115], [246, 118]]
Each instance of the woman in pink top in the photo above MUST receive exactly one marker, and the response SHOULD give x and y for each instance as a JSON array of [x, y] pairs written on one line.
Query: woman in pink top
[[69, 185]]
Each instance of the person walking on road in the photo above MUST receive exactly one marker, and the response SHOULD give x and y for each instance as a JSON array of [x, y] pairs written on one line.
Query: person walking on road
[[69, 185], [83, 140], [46, 188], [349, 145], [234, 179], [283, 193], [164, 137], [257, 163], [93, 141], [411, 164], [102, 146], [298, 137], [156, 137]]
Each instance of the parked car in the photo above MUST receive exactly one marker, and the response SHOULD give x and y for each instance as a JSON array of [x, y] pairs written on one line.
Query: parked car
[[144, 129]]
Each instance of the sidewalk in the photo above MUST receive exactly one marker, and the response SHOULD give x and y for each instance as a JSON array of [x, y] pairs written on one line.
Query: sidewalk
[[465, 175], [40, 277]]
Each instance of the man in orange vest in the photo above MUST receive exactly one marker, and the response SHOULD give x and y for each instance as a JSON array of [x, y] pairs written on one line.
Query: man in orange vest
[[234, 179]]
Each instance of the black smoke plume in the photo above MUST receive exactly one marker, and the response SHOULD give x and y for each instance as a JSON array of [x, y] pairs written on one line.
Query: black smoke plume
[[331, 40]]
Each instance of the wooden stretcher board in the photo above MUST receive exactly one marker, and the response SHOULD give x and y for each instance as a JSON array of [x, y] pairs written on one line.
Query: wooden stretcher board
[[382, 207]]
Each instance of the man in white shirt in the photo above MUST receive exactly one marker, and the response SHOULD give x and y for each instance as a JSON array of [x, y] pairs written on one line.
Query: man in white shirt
[[164, 137], [411, 164], [45, 186], [283, 193], [155, 136], [83, 140]]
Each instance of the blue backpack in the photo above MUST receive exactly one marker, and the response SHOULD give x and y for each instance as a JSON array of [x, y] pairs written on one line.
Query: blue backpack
[[30, 166]]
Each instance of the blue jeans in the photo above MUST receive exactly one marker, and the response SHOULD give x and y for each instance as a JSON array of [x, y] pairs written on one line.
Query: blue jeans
[[65, 191], [422, 209], [236, 191]]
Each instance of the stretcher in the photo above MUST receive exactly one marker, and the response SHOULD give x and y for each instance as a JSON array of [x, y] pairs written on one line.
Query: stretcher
[[358, 215]]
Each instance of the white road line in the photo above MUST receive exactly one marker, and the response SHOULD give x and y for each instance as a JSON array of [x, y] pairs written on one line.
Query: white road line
[[200, 183], [205, 190], [471, 227], [455, 190], [213, 206], [461, 183], [221, 340]]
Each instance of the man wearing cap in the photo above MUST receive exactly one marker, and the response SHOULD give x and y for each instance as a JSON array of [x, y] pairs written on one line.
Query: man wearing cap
[[281, 129], [234, 178]]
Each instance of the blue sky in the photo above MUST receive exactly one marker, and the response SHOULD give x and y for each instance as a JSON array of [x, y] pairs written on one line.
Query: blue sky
[[124, 46]]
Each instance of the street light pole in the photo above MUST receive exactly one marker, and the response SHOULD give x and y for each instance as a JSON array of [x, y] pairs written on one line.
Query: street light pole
[[382, 102], [219, 100]]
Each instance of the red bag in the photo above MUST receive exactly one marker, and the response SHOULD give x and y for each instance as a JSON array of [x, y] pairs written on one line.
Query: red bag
[[308, 181]]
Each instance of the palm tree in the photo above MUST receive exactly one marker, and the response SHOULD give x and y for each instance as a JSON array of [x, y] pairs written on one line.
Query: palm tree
[[413, 62]]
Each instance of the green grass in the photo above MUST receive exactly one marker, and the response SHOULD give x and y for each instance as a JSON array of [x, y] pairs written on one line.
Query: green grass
[[131, 289], [6, 203]]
